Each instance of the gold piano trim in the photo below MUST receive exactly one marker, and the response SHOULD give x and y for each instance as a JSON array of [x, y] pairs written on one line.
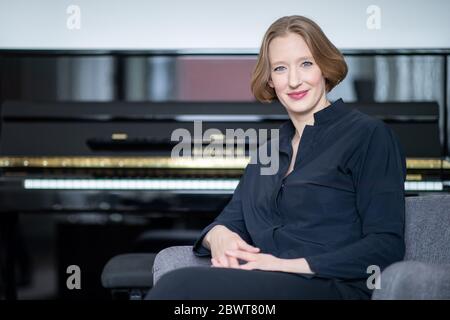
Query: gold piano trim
[[124, 162], [417, 163], [413, 177], [166, 162], [446, 164]]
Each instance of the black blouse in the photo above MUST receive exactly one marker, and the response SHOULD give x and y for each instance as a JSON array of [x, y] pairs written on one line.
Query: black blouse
[[341, 208]]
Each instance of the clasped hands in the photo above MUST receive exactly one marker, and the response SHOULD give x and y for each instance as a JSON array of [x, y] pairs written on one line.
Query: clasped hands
[[227, 248], [252, 257]]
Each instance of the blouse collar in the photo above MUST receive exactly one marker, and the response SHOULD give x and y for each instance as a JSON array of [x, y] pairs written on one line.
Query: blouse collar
[[322, 117]]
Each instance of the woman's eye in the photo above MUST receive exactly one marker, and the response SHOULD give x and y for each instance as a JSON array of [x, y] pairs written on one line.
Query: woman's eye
[[307, 64], [278, 68]]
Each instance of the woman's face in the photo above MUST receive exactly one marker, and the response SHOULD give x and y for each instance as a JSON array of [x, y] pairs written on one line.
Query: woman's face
[[295, 76]]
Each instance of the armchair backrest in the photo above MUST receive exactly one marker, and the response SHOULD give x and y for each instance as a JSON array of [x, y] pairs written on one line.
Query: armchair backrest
[[427, 229]]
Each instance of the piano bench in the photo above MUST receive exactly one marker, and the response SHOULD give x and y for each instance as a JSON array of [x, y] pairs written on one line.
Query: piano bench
[[129, 276]]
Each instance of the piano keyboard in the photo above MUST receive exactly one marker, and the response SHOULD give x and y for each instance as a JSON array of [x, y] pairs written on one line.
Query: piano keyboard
[[227, 185], [224, 185]]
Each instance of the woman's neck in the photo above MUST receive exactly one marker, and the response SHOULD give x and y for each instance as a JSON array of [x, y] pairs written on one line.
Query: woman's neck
[[300, 122]]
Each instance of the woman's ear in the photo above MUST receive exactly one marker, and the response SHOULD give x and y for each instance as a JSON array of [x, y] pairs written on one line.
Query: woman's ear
[[270, 83]]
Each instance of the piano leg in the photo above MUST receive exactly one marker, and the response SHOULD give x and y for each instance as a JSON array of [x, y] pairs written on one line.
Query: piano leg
[[8, 230]]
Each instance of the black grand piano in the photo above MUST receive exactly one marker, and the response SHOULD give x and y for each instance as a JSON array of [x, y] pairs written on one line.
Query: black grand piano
[[69, 157]]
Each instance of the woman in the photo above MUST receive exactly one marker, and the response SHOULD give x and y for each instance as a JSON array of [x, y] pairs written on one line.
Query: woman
[[334, 209]]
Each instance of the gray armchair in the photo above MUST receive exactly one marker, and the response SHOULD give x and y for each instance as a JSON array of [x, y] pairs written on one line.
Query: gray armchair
[[424, 273]]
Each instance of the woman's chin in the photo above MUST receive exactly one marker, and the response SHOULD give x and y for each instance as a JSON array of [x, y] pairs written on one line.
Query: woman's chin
[[299, 108]]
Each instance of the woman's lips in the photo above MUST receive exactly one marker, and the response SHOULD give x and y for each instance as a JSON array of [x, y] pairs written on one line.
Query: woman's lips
[[298, 95]]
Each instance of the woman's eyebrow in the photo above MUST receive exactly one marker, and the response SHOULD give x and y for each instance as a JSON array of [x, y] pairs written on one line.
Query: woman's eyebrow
[[298, 59]]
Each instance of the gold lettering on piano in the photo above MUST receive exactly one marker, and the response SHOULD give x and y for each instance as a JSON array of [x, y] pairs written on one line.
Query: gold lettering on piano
[[119, 136], [413, 177]]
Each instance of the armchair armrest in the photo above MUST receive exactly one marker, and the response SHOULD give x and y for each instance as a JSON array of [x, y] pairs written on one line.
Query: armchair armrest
[[414, 280], [174, 258]]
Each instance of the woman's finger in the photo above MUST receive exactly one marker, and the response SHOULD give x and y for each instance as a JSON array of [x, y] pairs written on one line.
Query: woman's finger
[[247, 256], [247, 266], [233, 262], [223, 260], [245, 246], [214, 263]]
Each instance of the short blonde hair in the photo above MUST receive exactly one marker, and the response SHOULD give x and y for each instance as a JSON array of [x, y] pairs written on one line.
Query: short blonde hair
[[329, 59]]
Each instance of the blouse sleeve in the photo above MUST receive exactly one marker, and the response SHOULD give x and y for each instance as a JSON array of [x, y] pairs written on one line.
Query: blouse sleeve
[[378, 177], [231, 217]]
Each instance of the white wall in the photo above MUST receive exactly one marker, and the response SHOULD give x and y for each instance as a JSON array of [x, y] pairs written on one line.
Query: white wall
[[226, 25]]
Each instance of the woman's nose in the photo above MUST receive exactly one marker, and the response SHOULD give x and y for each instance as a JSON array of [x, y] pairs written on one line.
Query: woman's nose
[[294, 79]]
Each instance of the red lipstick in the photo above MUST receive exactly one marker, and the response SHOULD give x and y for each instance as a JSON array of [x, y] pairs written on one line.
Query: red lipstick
[[297, 95]]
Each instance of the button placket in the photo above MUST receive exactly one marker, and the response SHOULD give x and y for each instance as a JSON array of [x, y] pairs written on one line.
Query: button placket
[[304, 150], [279, 185]]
